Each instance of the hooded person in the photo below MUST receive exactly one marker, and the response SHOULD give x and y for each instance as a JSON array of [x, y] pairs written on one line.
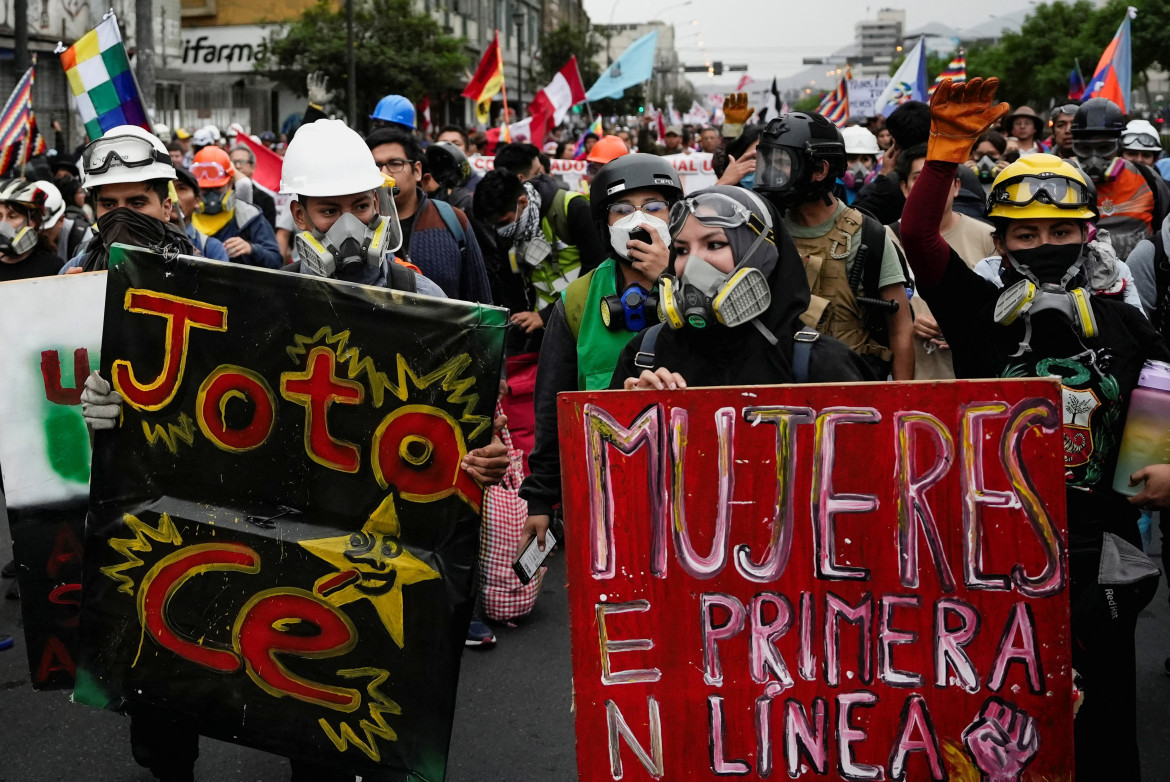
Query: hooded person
[[732, 314], [128, 174], [1044, 322]]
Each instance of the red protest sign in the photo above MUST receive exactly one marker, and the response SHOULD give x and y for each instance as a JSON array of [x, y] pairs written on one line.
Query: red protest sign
[[846, 582]]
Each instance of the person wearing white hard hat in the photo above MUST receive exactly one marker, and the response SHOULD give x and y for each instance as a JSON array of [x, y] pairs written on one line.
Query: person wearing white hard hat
[[128, 175], [1141, 143], [335, 184], [63, 233], [861, 157], [24, 251]]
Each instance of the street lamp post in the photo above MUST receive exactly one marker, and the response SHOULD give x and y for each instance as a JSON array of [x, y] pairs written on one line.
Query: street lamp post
[[518, 19]]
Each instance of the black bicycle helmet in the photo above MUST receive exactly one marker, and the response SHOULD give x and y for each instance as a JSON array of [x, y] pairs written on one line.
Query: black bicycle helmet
[[448, 165]]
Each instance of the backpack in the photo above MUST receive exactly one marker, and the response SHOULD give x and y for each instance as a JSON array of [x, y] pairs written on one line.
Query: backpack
[[866, 273], [451, 220]]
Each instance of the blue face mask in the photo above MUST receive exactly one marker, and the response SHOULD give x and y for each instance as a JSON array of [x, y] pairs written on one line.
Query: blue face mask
[[749, 181]]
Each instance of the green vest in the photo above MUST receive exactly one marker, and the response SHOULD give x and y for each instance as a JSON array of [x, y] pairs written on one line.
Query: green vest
[[561, 268], [598, 348]]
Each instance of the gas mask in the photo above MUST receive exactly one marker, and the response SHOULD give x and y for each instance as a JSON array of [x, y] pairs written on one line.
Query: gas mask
[[15, 242], [214, 202], [621, 231], [985, 168], [1099, 158], [634, 309], [854, 178], [349, 242], [1047, 270], [704, 296]]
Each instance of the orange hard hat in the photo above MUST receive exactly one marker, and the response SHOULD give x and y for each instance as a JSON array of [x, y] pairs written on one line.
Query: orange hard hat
[[212, 167], [606, 149]]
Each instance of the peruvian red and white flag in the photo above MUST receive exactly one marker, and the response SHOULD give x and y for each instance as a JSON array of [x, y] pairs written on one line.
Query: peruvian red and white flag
[[550, 105]]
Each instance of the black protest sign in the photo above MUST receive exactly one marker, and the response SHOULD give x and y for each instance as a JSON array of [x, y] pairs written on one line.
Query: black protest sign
[[281, 540]]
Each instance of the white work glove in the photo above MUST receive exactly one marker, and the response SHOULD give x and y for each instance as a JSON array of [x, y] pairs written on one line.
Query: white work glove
[[317, 85], [101, 405]]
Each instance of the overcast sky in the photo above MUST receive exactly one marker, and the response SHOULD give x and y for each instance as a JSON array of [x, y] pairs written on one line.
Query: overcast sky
[[772, 36]]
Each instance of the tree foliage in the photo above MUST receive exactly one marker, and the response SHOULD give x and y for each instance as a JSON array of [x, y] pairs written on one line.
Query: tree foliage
[[396, 49], [557, 46], [1034, 64]]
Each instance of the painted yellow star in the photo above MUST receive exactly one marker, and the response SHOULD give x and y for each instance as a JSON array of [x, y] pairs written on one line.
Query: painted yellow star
[[371, 565]]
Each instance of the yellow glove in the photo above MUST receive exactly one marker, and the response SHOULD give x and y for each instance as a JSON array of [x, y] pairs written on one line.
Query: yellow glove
[[959, 115], [736, 113]]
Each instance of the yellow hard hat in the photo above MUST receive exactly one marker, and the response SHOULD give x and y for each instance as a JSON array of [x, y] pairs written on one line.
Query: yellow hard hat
[[1041, 186]]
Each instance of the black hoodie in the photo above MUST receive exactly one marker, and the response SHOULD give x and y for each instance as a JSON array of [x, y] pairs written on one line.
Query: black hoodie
[[721, 356]]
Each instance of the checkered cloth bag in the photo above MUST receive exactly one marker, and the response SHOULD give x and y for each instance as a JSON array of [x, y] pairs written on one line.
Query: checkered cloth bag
[[504, 514]]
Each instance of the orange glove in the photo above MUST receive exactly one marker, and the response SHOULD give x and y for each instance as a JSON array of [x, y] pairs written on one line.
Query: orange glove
[[960, 114], [736, 113]]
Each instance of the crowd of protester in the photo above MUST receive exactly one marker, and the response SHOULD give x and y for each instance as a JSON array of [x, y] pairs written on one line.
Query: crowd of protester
[[890, 249]]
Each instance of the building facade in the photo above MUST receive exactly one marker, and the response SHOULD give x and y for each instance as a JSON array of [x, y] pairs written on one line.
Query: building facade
[[64, 21], [878, 42]]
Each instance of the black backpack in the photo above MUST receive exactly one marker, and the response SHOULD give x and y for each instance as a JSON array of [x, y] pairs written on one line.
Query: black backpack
[[1162, 284], [865, 276]]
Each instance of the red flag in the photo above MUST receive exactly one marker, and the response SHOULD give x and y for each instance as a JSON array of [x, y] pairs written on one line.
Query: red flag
[[424, 114], [268, 163], [551, 104], [489, 76]]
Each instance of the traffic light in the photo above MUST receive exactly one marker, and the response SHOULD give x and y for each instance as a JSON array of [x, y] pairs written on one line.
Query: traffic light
[[717, 68]]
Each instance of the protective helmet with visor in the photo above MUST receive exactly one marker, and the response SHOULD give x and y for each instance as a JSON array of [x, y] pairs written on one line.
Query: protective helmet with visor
[[791, 150], [348, 169]]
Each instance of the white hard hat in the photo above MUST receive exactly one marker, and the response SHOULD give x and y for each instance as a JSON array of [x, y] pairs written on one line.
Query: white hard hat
[[203, 138], [859, 141], [1141, 136], [328, 158], [163, 131], [54, 206], [126, 153]]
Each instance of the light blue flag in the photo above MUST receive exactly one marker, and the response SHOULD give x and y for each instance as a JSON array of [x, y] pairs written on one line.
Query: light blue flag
[[909, 83], [635, 66]]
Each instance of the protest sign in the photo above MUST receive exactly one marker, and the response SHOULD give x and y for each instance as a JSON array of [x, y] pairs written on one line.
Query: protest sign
[[50, 336], [854, 581], [281, 539], [863, 93]]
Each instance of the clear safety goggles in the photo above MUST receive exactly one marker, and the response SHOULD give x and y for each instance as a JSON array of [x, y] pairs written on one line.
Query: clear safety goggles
[[1105, 148], [1140, 141], [711, 209], [207, 171], [1059, 191], [128, 151]]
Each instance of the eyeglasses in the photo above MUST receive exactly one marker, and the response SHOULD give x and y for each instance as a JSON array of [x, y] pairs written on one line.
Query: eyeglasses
[[710, 209], [128, 151], [241, 162], [1059, 191], [653, 208], [394, 165]]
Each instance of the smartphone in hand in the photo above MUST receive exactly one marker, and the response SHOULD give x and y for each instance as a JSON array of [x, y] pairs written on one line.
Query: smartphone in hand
[[529, 562]]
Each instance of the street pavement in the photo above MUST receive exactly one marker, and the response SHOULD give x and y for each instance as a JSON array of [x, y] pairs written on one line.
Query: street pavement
[[513, 722]]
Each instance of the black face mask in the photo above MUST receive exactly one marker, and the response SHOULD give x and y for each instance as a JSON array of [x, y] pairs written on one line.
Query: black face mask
[[1049, 262], [126, 226]]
